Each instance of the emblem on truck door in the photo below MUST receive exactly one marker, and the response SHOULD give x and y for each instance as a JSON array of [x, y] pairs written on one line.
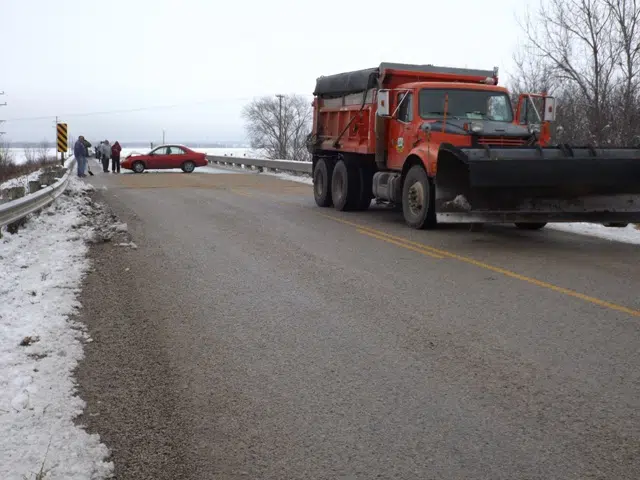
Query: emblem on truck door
[[400, 144]]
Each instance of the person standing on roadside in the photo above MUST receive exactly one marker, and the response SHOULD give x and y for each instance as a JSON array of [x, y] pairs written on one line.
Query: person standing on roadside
[[106, 155], [115, 157], [81, 153]]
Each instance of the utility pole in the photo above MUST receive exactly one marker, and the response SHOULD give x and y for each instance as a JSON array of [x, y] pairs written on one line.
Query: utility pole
[[55, 129], [2, 121], [163, 136], [280, 143]]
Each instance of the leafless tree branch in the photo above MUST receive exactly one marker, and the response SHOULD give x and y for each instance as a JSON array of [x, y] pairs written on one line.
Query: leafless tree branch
[[279, 130]]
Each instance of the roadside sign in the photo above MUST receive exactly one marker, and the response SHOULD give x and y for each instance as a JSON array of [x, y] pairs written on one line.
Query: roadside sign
[[62, 137]]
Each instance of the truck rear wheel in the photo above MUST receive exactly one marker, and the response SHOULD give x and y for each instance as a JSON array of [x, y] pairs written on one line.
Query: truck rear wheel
[[322, 183], [417, 205], [345, 187]]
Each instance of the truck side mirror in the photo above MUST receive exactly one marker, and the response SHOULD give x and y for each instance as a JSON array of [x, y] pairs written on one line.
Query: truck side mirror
[[549, 109], [384, 106]]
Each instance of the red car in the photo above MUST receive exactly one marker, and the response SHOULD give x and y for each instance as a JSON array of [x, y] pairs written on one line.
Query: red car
[[166, 156]]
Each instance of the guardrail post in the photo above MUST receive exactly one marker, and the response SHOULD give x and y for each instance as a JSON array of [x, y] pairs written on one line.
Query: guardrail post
[[13, 193], [34, 186]]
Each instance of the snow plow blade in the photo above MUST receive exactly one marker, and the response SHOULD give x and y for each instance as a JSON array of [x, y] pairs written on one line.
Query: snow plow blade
[[533, 184]]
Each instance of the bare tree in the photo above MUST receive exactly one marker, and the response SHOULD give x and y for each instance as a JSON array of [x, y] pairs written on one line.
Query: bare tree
[[6, 155], [43, 151], [587, 52], [626, 34], [30, 154], [279, 126]]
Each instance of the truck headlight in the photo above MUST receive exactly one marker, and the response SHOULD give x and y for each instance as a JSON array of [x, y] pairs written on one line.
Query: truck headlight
[[476, 127]]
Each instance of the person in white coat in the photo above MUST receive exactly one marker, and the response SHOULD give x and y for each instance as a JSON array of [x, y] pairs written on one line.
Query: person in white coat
[[105, 149]]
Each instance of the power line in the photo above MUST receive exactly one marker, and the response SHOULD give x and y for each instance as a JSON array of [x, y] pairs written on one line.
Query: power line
[[131, 110]]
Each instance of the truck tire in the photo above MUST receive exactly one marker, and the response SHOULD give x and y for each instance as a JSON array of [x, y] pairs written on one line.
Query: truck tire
[[322, 184], [530, 226], [417, 204], [345, 187]]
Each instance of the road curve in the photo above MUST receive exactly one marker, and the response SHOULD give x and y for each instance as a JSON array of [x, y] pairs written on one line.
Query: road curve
[[254, 335]]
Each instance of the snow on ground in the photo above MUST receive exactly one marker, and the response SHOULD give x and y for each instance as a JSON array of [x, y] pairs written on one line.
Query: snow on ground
[[629, 234], [291, 177], [18, 154], [42, 268], [22, 181]]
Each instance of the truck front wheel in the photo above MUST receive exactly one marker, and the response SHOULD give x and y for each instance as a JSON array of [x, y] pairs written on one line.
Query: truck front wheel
[[345, 186], [322, 183], [417, 207]]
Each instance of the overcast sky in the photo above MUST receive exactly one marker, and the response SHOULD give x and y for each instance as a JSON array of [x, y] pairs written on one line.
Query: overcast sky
[[210, 57]]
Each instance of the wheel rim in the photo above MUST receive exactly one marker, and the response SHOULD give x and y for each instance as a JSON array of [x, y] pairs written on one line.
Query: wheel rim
[[416, 198], [188, 167], [138, 167]]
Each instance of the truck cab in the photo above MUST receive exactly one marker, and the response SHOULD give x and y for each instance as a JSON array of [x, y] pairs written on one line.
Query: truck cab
[[423, 115]]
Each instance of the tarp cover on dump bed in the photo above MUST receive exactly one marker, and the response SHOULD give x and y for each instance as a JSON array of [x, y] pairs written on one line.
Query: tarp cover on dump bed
[[346, 83], [361, 80]]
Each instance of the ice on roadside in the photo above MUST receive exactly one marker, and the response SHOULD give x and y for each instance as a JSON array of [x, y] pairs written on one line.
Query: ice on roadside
[[628, 234], [40, 345]]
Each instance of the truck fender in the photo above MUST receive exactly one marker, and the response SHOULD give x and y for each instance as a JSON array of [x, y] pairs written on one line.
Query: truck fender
[[421, 154]]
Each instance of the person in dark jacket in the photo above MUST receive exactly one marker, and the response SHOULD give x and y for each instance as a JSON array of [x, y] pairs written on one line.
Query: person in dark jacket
[[81, 153], [115, 157]]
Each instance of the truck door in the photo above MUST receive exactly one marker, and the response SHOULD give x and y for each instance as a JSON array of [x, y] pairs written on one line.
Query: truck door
[[401, 133]]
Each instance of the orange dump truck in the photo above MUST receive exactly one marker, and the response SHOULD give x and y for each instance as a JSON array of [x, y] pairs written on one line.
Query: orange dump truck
[[445, 145]]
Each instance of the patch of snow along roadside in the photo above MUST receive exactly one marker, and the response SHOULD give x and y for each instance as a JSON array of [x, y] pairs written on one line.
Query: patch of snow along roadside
[[22, 181], [42, 267], [303, 178], [628, 234]]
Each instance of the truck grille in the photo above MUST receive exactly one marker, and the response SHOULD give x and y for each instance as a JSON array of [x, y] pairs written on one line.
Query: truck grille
[[496, 141]]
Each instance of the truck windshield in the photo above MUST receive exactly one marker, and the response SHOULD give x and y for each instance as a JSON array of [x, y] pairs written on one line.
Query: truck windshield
[[467, 104]]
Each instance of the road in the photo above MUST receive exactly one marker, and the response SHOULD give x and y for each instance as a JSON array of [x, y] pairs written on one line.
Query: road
[[255, 335]]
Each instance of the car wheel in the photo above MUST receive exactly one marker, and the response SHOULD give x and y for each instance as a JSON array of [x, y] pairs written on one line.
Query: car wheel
[[188, 166], [138, 167], [417, 205]]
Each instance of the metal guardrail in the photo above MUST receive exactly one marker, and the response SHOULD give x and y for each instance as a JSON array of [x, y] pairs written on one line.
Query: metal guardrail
[[21, 207], [261, 163]]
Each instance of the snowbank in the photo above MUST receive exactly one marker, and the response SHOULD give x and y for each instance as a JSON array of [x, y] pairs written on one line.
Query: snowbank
[[628, 234], [22, 181], [42, 267]]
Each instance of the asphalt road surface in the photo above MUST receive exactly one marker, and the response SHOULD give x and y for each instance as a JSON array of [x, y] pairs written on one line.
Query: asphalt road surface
[[253, 335]]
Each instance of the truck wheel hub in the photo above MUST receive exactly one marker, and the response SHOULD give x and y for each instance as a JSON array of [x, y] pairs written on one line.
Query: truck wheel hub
[[416, 196]]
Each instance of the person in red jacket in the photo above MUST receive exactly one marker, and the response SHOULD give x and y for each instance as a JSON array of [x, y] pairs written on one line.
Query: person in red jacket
[[115, 157]]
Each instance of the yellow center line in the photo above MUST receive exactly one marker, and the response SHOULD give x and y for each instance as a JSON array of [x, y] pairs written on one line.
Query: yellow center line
[[411, 245], [399, 244]]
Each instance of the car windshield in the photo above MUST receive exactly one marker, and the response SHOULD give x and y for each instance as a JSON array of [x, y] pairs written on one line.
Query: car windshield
[[467, 104]]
